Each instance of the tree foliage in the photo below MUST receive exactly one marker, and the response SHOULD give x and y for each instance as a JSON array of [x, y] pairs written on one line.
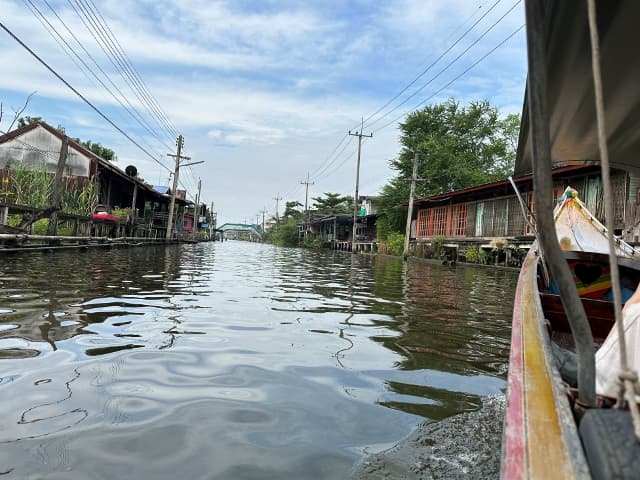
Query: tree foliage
[[98, 149], [458, 147], [333, 203], [291, 210], [285, 235], [27, 120]]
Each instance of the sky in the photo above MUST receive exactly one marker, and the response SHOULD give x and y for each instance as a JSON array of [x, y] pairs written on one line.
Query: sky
[[264, 92]]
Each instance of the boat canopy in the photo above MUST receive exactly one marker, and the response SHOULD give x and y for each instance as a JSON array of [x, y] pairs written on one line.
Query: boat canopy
[[571, 102]]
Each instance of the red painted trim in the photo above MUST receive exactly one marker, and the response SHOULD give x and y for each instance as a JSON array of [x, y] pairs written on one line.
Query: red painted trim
[[514, 456]]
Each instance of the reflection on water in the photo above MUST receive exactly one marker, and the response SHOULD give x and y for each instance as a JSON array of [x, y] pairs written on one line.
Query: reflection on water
[[236, 360]]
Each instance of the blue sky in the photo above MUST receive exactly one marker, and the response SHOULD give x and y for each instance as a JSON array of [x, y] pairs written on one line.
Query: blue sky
[[263, 91]]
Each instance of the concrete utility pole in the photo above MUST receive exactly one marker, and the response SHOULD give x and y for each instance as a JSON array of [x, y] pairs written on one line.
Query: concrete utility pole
[[355, 199], [196, 210], [176, 173], [306, 192], [277, 198], [178, 156], [414, 178], [264, 210], [306, 198]]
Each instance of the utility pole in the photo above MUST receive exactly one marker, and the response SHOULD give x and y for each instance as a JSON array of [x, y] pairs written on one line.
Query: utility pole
[[178, 156], [306, 192], [355, 200], [414, 179], [277, 198], [176, 173], [258, 218], [306, 199], [264, 210], [196, 210]]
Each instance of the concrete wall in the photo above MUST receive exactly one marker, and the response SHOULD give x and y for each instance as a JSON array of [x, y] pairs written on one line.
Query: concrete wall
[[37, 147]]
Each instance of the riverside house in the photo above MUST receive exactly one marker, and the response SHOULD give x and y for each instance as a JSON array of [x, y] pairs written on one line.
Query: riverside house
[[38, 145], [489, 217]]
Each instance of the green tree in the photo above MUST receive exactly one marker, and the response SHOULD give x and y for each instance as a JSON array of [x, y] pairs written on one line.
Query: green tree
[[291, 210], [458, 147], [27, 120], [286, 235], [333, 203], [98, 149]]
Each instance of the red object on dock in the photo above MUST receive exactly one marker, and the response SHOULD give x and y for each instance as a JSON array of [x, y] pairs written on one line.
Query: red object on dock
[[105, 217]]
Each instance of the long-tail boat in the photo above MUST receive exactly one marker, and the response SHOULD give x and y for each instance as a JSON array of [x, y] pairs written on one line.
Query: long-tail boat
[[572, 388]]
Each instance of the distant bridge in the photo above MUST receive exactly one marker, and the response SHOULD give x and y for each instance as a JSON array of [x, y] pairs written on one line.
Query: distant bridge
[[241, 227]]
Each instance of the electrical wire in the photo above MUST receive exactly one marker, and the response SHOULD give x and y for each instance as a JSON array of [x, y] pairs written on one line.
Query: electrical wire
[[432, 64], [84, 67], [79, 95], [449, 65], [327, 162], [464, 72], [136, 74], [90, 24]]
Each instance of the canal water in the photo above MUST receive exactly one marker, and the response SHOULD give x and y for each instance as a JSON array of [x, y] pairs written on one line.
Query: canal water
[[238, 360]]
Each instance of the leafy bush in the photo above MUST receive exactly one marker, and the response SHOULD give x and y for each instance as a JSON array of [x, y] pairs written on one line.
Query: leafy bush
[[285, 235], [395, 243], [472, 254], [313, 242]]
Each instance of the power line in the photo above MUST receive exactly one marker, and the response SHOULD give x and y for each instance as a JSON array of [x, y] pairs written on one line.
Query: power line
[[90, 24], [432, 64], [512, 34], [449, 65], [141, 120], [135, 74], [326, 164], [60, 40], [82, 97]]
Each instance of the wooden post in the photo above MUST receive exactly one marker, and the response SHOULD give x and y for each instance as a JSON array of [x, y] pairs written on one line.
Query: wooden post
[[133, 206], [4, 215], [57, 187], [108, 202]]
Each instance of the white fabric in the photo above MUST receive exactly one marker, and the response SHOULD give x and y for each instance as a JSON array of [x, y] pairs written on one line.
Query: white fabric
[[608, 355]]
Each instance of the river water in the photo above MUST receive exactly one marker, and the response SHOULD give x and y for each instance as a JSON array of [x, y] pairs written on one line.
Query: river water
[[239, 360]]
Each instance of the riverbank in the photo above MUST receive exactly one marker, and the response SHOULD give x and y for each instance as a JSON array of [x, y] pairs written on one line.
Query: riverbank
[[16, 243]]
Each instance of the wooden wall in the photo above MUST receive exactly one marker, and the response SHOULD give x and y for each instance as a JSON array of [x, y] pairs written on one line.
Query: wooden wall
[[503, 217]]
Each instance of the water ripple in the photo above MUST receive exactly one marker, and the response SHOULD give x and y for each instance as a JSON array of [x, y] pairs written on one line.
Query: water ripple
[[237, 360]]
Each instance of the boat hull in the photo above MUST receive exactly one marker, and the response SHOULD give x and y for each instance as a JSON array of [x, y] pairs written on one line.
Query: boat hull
[[540, 438]]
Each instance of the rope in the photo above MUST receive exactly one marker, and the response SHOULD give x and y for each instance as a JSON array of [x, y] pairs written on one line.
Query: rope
[[626, 376]]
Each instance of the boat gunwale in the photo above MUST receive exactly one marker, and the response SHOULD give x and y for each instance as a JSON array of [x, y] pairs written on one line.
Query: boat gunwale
[[519, 455]]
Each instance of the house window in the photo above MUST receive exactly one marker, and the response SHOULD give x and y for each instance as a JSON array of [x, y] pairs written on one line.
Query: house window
[[458, 220], [421, 224], [439, 220]]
